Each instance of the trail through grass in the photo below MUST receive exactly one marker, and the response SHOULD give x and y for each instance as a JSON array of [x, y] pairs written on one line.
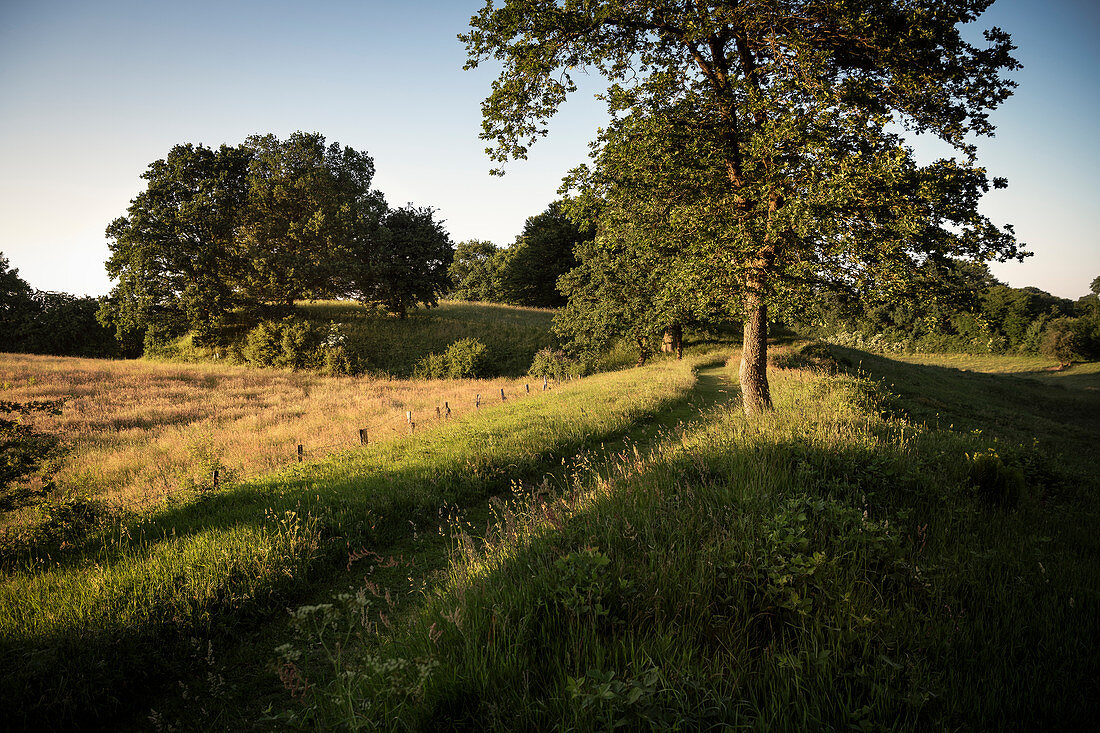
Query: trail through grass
[[83, 625], [833, 565]]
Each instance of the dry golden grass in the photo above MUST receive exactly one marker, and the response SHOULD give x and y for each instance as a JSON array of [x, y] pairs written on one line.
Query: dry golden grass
[[141, 430]]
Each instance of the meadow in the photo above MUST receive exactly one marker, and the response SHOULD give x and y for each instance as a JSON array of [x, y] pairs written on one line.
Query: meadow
[[86, 619], [898, 546], [141, 431], [384, 346], [839, 564]]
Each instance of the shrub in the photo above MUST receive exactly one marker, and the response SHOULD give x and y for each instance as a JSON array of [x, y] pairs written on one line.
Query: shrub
[[290, 343], [463, 359], [1061, 341], [554, 364]]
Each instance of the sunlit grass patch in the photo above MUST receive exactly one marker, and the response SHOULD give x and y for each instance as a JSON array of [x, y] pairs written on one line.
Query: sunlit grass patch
[[129, 595]]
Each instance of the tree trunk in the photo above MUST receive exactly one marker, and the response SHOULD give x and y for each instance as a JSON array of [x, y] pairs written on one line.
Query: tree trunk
[[755, 395], [674, 341]]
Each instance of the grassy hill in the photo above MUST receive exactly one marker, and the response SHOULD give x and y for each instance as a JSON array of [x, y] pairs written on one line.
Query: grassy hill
[[386, 346], [900, 545]]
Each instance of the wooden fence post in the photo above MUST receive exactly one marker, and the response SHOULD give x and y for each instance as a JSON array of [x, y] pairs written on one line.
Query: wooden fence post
[[299, 453], [215, 479], [409, 416], [502, 397], [544, 384], [362, 436], [437, 411], [528, 386], [477, 402]]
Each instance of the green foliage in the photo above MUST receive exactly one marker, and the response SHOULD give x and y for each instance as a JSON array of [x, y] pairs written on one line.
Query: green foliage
[[290, 343], [542, 253], [1062, 341], [226, 237], [463, 359], [555, 364], [408, 263], [760, 162], [39, 322], [475, 271]]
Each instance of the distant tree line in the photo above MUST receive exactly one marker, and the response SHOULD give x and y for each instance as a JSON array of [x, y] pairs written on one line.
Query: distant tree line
[[527, 272], [224, 238], [41, 322], [978, 315]]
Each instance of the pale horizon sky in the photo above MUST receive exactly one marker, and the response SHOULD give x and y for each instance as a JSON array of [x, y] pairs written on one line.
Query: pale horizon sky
[[92, 93]]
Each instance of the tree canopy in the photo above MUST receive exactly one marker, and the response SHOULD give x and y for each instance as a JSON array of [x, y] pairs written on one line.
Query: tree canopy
[[769, 135], [239, 231]]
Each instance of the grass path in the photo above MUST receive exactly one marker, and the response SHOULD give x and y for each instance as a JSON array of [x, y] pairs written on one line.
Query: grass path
[[405, 571]]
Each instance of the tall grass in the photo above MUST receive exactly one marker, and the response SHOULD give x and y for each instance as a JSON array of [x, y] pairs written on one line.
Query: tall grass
[[829, 566], [140, 431], [82, 626]]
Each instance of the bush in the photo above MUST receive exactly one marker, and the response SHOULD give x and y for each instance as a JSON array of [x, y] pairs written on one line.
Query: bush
[[995, 482], [463, 359], [1061, 341], [289, 343], [554, 364]]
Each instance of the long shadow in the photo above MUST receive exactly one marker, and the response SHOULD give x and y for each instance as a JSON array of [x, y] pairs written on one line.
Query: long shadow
[[1064, 421], [91, 676]]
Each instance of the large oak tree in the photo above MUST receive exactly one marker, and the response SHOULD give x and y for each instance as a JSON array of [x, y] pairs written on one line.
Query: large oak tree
[[776, 129]]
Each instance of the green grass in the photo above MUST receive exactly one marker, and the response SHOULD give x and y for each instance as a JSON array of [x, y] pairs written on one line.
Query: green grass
[[1078, 376], [842, 563], [394, 346], [83, 628]]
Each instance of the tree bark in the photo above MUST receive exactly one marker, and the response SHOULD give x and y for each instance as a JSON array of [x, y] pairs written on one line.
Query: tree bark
[[674, 341], [755, 394]]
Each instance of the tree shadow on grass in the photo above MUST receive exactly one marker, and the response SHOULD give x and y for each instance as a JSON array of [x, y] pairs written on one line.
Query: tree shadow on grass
[[369, 499]]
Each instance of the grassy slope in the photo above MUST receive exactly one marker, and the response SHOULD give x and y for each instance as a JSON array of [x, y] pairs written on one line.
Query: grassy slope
[[394, 346], [828, 566], [83, 626]]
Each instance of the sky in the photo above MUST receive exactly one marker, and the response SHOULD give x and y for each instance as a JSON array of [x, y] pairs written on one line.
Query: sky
[[92, 93]]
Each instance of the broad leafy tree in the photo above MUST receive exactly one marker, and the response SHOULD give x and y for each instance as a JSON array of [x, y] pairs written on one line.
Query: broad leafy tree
[[542, 253], [17, 307], [798, 172], [176, 254], [307, 203], [475, 270], [409, 264]]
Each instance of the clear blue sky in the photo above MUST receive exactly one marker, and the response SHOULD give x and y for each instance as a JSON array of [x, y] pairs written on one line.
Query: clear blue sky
[[91, 93]]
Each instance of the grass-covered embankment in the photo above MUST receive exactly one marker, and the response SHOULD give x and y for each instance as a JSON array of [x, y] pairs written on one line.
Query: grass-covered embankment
[[834, 565], [83, 627]]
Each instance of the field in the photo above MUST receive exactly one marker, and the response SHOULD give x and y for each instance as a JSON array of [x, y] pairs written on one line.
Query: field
[[141, 431], [900, 545]]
